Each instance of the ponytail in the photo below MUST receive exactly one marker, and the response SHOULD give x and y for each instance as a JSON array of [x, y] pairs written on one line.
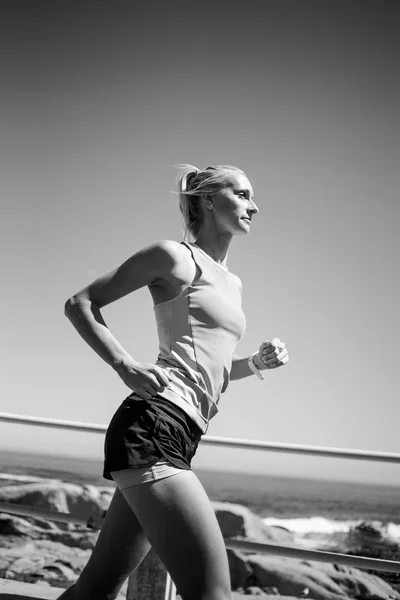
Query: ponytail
[[189, 203]]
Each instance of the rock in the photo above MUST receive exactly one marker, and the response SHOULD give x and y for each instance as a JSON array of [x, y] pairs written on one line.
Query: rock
[[324, 582], [237, 521], [281, 534], [35, 561], [25, 567], [86, 500], [44, 524], [305, 593], [15, 526], [271, 591], [364, 534], [48, 496], [66, 497], [44, 562], [239, 569], [57, 572], [85, 540], [83, 501], [254, 591]]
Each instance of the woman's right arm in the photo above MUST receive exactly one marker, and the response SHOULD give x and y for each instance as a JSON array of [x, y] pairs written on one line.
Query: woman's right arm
[[156, 262]]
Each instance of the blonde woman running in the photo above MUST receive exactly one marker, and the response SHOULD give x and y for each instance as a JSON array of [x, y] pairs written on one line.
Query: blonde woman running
[[154, 434]]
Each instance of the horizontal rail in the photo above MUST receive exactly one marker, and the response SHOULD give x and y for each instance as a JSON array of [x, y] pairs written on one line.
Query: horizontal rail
[[94, 522], [90, 522], [304, 449], [28, 479], [317, 555], [53, 423], [369, 455]]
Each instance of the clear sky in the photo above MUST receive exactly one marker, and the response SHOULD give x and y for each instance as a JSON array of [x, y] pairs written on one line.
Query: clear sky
[[99, 101]]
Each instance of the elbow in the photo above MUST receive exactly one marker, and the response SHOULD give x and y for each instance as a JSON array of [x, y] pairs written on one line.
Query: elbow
[[67, 306], [77, 304], [70, 305]]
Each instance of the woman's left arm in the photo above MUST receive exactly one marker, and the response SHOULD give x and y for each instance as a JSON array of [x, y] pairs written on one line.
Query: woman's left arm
[[271, 354]]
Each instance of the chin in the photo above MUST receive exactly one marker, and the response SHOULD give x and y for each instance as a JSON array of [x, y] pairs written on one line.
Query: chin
[[242, 231]]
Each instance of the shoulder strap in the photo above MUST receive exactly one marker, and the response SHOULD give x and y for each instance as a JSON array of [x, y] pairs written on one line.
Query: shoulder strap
[[195, 258]]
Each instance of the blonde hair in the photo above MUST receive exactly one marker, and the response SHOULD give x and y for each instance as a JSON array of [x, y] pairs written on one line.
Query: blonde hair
[[193, 183]]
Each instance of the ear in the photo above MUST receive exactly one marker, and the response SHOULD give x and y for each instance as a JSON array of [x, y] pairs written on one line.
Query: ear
[[208, 201]]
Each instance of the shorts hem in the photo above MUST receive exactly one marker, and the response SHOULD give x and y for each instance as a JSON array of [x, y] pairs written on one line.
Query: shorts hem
[[132, 477]]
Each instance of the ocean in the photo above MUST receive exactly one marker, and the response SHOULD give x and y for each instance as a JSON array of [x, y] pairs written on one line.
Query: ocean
[[311, 509]]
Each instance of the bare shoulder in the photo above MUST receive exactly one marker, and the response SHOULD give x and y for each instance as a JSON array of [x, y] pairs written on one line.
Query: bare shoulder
[[148, 266], [180, 271], [170, 250], [174, 258]]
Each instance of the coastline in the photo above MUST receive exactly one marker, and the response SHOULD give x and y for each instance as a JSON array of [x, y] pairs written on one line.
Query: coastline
[[299, 502]]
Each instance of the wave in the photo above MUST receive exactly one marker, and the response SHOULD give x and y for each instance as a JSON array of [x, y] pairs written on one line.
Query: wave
[[321, 526]]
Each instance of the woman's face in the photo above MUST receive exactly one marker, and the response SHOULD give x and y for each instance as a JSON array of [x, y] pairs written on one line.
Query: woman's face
[[233, 206]]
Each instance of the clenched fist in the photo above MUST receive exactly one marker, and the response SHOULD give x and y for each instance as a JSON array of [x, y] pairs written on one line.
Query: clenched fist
[[271, 354]]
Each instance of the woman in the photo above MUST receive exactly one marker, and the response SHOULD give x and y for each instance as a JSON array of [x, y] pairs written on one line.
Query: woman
[[155, 432]]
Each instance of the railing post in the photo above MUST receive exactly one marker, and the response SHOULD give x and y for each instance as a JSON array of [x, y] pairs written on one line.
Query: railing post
[[149, 581]]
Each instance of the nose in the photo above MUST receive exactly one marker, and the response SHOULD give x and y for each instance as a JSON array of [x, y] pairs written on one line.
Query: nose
[[253, 208]]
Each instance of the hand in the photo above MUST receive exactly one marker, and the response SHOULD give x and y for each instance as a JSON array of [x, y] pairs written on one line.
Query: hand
[[145, 379], [271, 355]]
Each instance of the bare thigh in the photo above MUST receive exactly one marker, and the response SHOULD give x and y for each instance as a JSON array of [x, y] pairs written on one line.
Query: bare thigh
[[177, 518], [120, 548]]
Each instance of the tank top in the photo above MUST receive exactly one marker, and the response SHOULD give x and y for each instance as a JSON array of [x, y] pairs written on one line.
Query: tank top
[[198, 332]]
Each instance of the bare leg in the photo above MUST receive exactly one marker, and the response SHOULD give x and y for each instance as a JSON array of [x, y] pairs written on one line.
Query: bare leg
[[120, 548], [179, 521]]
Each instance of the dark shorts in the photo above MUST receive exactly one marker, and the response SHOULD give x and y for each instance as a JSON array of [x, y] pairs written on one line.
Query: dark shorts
[[142, 432]]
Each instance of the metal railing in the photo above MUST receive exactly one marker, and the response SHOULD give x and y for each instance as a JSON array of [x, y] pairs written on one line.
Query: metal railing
[[279, 550], [369, 455]]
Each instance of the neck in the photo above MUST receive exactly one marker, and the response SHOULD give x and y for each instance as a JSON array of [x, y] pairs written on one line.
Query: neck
[[216, 247]]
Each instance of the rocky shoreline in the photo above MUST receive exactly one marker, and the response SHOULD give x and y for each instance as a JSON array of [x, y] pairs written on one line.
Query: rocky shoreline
[[54, 553]]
